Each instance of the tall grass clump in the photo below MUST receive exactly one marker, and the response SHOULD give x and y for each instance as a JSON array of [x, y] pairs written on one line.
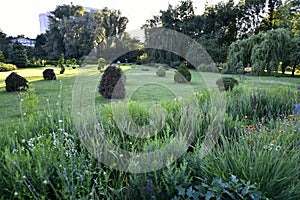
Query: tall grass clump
[[258, 103], [261, 154]]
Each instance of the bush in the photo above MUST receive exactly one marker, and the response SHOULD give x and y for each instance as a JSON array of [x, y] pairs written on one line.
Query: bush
[[49, 74], [226, 83], [182, 74], [7, 67], [101, 63], [2, 57], [52, 62], [15, 82], [112, 85], [161, 71]]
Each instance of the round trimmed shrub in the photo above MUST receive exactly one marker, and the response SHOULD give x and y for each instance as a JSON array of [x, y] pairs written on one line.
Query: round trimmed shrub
[[112, 84], [161, 71], [7, 67], [226, 83], [15, 82], [49, 74], [182, 74]]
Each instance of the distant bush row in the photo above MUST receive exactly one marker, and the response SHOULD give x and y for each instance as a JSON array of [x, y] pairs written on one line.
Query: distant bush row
[[14, 82], [7, 67]]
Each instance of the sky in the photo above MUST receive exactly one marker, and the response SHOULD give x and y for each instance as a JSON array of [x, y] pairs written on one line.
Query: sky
[[22, 16]]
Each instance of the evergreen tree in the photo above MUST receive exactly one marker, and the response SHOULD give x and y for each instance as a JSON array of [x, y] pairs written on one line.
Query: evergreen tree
[[19, 55]]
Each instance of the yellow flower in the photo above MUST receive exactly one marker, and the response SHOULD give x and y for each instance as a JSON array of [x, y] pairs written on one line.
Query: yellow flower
[[273, 141]]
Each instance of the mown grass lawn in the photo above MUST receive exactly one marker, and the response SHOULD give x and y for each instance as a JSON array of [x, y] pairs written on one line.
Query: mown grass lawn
[[142, 84]]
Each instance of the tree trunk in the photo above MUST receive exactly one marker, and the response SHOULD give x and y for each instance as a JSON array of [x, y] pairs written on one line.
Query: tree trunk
[[293, 70]]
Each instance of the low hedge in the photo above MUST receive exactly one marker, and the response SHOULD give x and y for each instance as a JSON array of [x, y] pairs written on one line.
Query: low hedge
[[4, 67]]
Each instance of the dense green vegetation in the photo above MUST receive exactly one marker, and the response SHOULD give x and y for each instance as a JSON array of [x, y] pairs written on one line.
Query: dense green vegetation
[[231, 131], [256, 156]]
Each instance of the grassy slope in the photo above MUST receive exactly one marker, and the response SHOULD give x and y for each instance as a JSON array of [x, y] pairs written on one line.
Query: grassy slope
[[142, 84]]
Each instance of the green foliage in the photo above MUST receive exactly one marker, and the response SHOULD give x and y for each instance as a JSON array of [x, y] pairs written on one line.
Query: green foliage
[[7, 67], [19, 55], [264, 51], [15, 82], [52, 62], [29, 102], [218, 189], [101, 63], [295, 52], [257, 155], [2, 57], [71, 62], [75, 32], [112, 84], [44, 156], [207, 68], [226, 83], [49, 74], [182, 74], [61, 63], [161, 71], [32, 65], [260, 103]]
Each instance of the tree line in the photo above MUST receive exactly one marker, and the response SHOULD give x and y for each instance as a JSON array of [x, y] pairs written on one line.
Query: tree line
[[74, 33], [263, 34]]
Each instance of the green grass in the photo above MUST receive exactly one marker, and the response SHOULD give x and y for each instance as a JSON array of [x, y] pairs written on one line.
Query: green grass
[[46, 157], [142, 85]]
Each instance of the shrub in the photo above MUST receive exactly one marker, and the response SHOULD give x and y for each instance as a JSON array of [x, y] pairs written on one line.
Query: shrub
[[112, 85], [61, 62], [226, 83], [15, 82], [101, 63], [2, 57], [161, 71], [49, 74], [182, 74], [7, 67], [52, 62]]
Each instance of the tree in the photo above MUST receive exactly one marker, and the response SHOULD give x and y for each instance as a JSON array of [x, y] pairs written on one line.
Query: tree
[[4, 44], [179, 18], [19, 55], [250, 17], [266, 50], [269, 22], [74, 32], [2, 57], [295, 53], [40, 50]]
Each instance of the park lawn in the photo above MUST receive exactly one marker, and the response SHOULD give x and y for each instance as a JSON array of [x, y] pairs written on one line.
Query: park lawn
[[142, 84]]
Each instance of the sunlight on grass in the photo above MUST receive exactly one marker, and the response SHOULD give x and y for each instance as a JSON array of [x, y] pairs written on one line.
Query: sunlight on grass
[[36, 74]]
